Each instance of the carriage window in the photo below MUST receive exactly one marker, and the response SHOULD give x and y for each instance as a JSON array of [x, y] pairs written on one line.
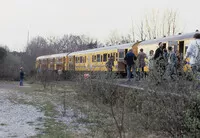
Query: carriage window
[[116, 56], [101, 58], [104, 57], [81, 59], [93, 58], [108, 55], [121, 54], [98, 58], [85, 59]]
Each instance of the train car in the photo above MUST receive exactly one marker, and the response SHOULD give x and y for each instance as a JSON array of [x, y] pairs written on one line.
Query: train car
[[42, 62], [95, 59], [179, 43], [53, 62], [59, 61]]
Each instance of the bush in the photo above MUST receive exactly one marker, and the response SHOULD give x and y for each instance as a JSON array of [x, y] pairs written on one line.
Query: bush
[[170, 109]]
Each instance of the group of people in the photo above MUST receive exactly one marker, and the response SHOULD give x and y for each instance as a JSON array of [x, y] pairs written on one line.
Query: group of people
[[165, 62]]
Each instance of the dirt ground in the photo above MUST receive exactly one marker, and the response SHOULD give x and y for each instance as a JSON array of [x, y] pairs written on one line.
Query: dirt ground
[[31, 111], [17, 120]]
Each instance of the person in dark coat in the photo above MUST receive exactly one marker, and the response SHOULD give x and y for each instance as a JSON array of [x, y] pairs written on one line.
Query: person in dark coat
[[21, 76], [159, 52], [159, 63], [129, 60]]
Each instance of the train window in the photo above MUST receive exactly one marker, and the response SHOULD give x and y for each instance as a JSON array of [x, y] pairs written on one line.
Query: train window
[[104, 57], [93, 58], [101, 58], [81, 59], [98, 58], [116, 56], [85, 59], [121, 54], [108, 55]]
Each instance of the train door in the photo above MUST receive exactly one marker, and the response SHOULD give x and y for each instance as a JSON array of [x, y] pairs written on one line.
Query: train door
[[89, 66], [64, 64], [121, 55], [126, 51], [72, 63], [181, 48]]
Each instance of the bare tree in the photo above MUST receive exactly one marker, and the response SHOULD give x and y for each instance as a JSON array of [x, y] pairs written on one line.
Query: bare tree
[[158, 24], [115, 38]]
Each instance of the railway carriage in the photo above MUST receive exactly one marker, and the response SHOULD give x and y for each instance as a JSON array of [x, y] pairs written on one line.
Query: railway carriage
[[52, 62], [87, 60], [178, 42], [95, 59]]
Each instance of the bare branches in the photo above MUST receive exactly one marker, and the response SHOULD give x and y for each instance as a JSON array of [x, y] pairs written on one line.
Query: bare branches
[[158, 24]]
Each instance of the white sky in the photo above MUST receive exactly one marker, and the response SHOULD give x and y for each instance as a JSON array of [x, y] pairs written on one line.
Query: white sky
[[95, 18]]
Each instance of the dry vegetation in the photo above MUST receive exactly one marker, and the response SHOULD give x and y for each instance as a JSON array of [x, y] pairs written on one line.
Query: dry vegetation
[[170, 109]]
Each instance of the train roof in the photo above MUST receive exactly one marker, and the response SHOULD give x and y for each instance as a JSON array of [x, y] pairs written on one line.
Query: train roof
[[169, 38], [122, 46], [52, 56]]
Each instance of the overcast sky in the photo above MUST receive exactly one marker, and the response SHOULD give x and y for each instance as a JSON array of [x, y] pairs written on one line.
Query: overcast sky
[[95, 18]]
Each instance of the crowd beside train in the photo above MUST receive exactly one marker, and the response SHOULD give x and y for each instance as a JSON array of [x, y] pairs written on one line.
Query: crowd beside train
[[164, 63]]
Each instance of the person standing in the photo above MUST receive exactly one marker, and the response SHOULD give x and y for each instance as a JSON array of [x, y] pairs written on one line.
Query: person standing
[[150, 59], [141, 60], [172, 62], [159, 63], [193, 52], [110, 64], [129, 60], [60, 74], [21, 76], [159, 52]]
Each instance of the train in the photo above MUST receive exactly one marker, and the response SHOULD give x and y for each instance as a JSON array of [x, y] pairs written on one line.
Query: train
[[94, 60]]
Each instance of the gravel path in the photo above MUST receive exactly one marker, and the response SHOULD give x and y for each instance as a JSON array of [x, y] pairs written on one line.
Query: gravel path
[[16, 120]]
